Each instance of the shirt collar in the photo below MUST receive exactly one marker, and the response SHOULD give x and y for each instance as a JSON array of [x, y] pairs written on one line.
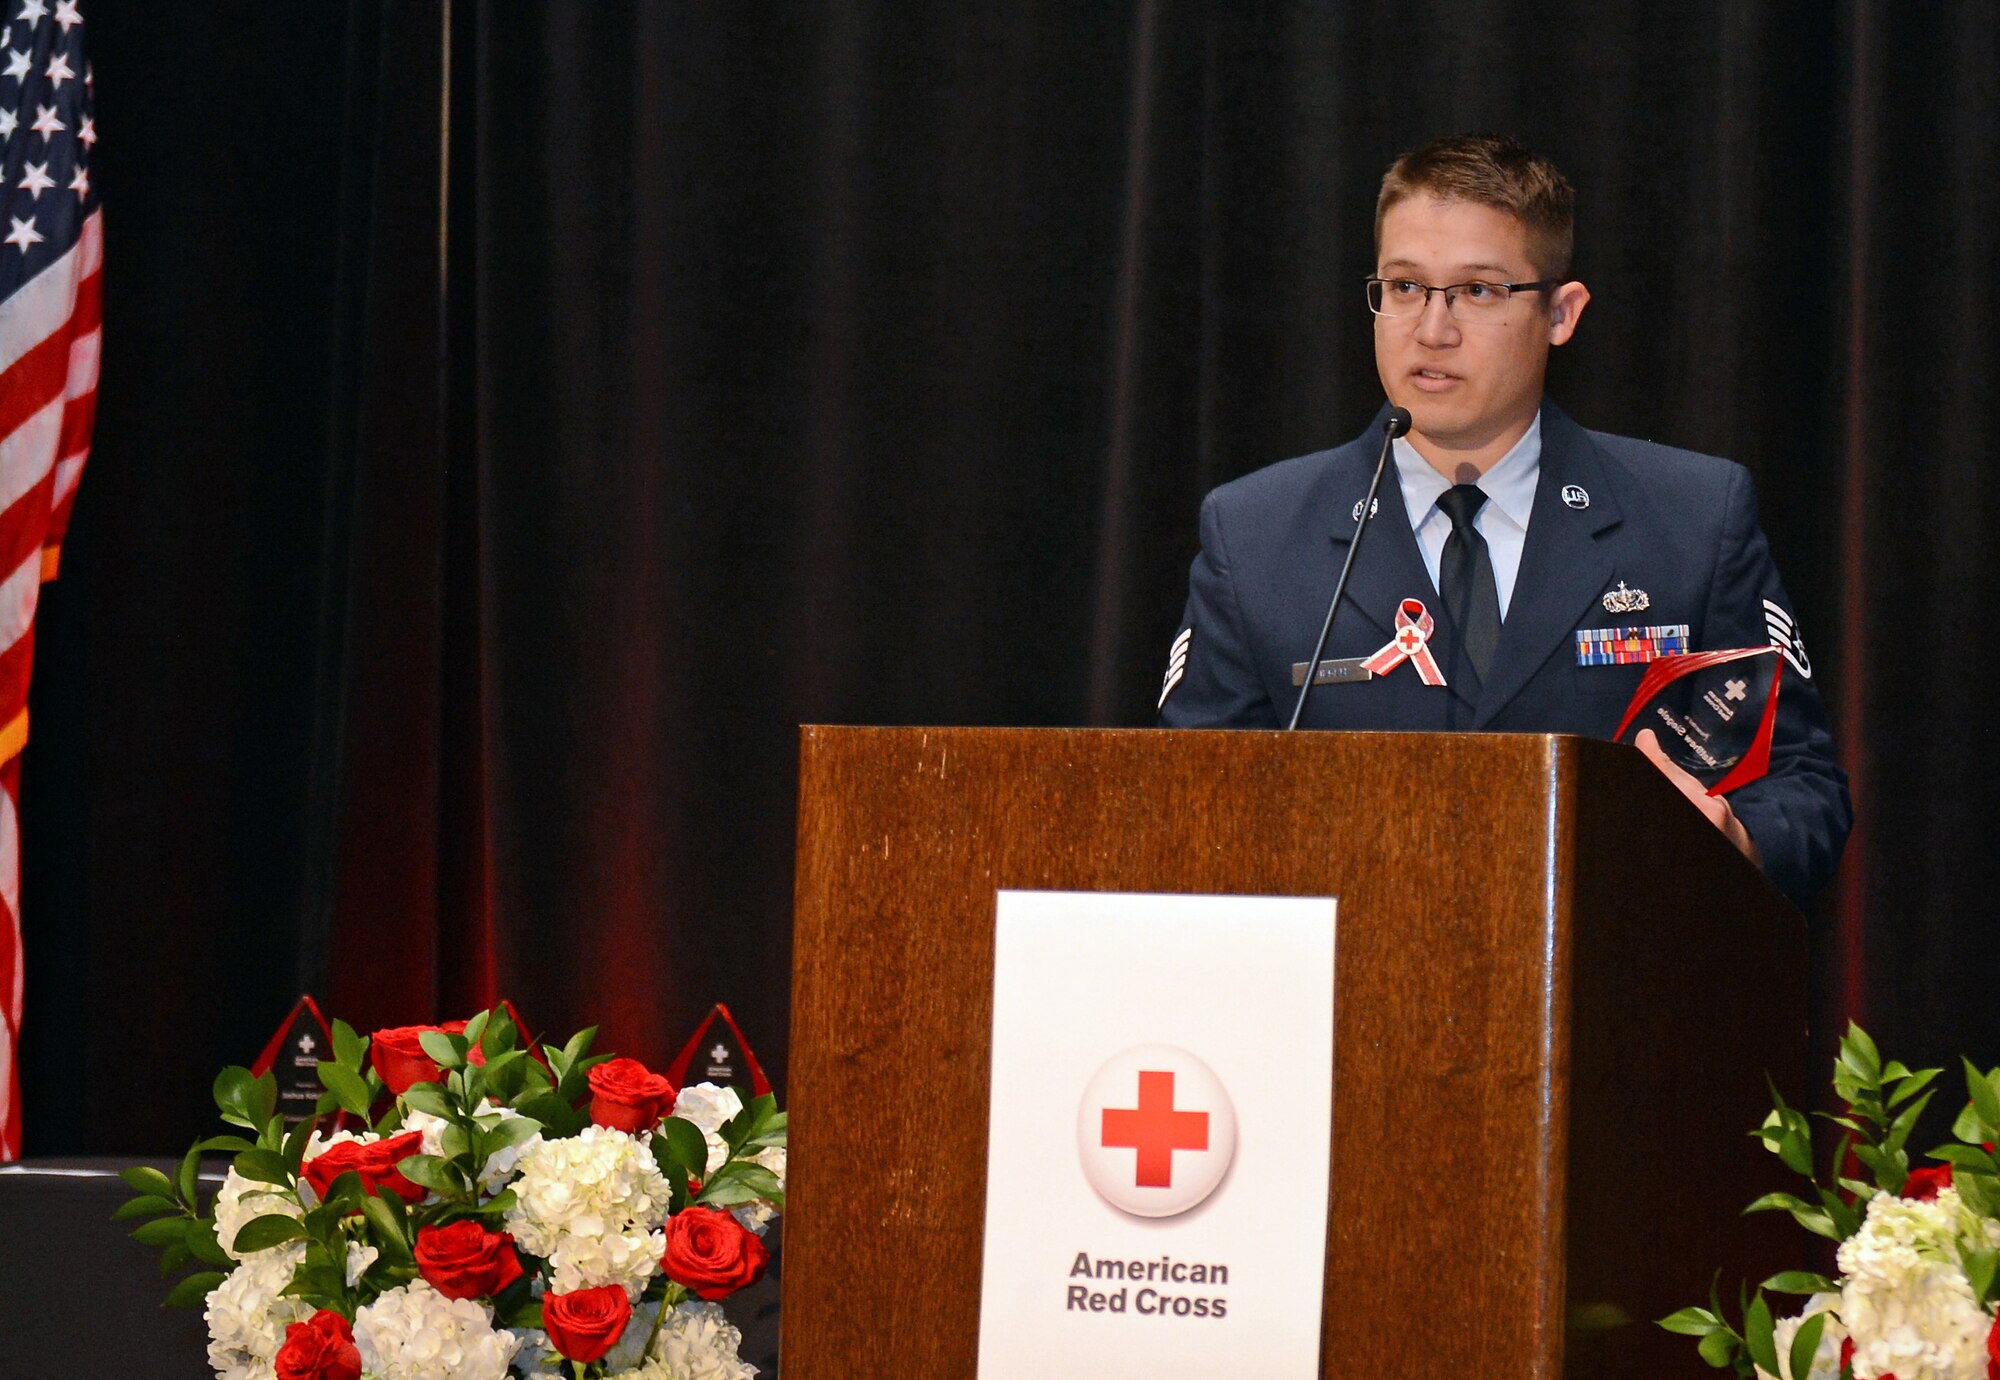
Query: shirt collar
[[1509, 485]]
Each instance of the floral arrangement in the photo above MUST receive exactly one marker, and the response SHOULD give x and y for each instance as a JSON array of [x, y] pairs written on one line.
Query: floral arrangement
[[1919, 1248], [463, 1208]]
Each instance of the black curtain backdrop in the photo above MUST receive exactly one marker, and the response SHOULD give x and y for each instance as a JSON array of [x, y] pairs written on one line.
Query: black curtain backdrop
[[517, 419]]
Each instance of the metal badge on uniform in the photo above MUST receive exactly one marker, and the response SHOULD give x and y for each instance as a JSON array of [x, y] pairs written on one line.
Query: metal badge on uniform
[[1373, 509], [1176, 665], [1576, 496], [1623, 600], [1629, 646]]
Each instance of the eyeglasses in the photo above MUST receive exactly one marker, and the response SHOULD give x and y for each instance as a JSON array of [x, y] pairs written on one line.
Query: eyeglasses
[[1473, 301]]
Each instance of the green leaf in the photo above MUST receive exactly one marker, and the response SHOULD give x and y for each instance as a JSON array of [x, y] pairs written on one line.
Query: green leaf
[[1759, 1335], [388, 1231], [1966, 1127], [1985, 1100], [272, 1229], [1980, 1267], [1796, 1151], [1778, 1202], [555, 1113], [184, 1178], [1970, 1157], [1805, 1344], [1691, 1322], [295, 1145], [348, 1048], [446, 1051], [234, 1145], [173, 1257], [233, 1097], [427, 1097], [1718, 1348], [350, 1091], [740, 1181], [145, 1179], [162, 1231], [432, 1173], [1860, 1053], [193, 1291], [203, 1246], [526, 1314], [263, 1099], [264, 1166], [146, 1205], [1899, 1130], [1912, 1085], [453, 1142], [684, 1145], [1800, 1282]]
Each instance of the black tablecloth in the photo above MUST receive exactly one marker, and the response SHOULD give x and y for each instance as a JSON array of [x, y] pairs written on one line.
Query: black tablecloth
[[79, 1298]]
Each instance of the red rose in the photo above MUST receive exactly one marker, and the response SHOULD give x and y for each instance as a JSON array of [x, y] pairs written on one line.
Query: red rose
[[624, 1094], [466, 1261], [375, 1162], [1923, 1184], [398, 1056], [712, 1253], [1993, 1352], [586, 1323], [320, 1348]]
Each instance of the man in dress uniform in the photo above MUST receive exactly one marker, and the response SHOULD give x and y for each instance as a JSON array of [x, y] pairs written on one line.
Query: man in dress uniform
[[1507, 538]]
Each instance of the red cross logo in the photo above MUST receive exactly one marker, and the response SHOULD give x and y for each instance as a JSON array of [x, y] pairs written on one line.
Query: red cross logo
[[1409, 639], [1155, 1130]]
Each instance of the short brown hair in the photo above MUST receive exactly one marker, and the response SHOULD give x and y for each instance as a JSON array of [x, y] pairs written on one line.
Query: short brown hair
[[1491, 170]]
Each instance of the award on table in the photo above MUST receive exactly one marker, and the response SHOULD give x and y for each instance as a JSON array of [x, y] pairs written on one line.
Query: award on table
[[719, 1054], [1713, 712], [292, 1056]]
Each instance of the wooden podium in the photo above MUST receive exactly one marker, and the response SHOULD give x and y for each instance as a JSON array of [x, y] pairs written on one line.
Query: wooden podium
[[1558, 991]]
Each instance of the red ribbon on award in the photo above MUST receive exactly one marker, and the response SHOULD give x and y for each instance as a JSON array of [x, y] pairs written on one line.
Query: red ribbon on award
[[1411, 643]]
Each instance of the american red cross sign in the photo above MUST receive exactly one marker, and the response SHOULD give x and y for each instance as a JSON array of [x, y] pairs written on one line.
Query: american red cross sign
[[1155, 1130]]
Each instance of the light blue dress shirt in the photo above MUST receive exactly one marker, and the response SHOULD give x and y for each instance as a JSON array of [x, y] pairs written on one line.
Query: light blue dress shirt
[[1502, 520]]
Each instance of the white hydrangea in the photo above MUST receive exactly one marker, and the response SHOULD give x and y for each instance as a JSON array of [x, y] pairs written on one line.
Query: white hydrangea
[[242, 1200], [499, 1166], [592, 1205], [247, 1319], [1826, 1360], [696, 1342], [1905, 1299], [708, 1107], [359, 1258], [416, 1333]]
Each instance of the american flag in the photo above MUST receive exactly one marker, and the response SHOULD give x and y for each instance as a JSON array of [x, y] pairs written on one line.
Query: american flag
[[51, 295]]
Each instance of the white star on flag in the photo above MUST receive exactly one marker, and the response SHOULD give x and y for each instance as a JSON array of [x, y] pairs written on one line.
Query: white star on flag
[[32, 12], [46, 124], [23, 234], [87, 136], [10, 120], [18, 64], [59, 71], [66, 14], [80, 184], [35, 180]]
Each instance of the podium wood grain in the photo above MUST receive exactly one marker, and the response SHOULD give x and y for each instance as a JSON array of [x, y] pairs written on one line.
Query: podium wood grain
[[1558, 991]]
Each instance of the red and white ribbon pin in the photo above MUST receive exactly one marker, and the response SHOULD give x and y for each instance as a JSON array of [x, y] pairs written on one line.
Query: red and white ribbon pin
[[1411, 643]]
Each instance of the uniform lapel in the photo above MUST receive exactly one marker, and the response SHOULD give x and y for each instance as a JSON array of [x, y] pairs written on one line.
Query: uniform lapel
[[1390, 568], [1564, 566]]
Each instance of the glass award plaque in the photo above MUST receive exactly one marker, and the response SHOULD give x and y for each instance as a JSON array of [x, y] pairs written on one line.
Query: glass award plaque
[[719, 1054], [303, 1039], [1713, 712]]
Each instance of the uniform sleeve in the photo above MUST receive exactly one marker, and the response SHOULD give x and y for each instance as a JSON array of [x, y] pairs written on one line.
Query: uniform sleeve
[[1799, 814], [1211, 679]]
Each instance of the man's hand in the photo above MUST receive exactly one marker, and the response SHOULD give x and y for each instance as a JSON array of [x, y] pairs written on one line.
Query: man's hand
[[1714, 806]]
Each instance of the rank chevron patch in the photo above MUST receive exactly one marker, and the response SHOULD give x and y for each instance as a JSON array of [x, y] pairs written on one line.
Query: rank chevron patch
[[1176, 666], [1785, 637]]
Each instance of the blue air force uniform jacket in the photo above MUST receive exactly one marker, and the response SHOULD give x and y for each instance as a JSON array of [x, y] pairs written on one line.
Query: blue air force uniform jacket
[[1681, 527]]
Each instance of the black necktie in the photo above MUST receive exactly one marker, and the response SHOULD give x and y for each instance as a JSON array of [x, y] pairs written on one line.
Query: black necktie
[[1471, 599]]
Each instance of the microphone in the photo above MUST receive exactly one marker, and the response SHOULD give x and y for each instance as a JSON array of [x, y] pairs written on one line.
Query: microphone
[[1394, 425]]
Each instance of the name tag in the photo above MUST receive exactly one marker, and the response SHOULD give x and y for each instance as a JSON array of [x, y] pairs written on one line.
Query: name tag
[[1629, 646], [1333, 672]]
